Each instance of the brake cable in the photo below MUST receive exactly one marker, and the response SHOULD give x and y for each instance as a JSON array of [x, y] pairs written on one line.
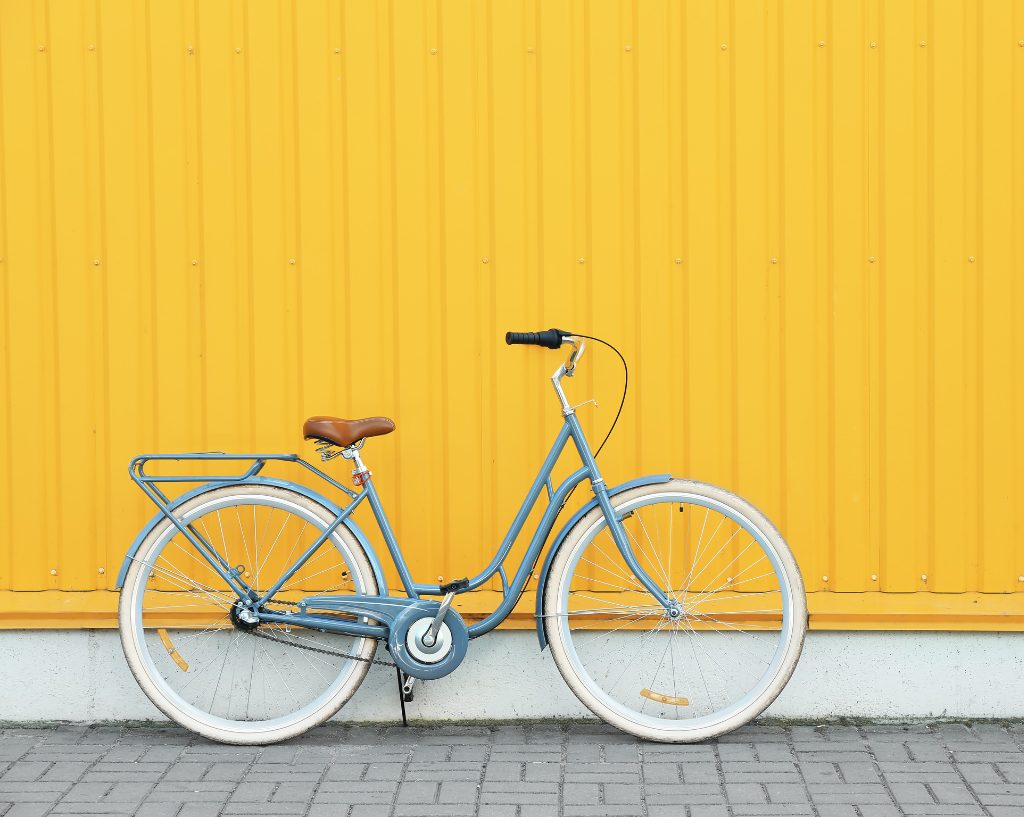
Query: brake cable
[[625, 387]]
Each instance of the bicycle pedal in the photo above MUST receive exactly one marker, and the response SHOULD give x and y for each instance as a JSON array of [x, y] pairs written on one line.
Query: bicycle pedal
[[456, 586]]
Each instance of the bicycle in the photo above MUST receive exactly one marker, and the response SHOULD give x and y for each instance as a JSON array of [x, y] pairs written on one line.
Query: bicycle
[[251, 607]]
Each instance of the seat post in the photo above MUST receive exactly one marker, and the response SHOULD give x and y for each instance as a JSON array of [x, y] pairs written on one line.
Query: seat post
[[360, 473]]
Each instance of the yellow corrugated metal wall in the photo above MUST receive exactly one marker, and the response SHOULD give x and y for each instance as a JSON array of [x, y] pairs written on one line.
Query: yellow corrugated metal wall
[[803, 222]]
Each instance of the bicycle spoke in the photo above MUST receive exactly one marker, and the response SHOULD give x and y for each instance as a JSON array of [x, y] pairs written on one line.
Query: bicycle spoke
[[730, 579], [271, 551], [616, 574], [245, 543], [654, 550]]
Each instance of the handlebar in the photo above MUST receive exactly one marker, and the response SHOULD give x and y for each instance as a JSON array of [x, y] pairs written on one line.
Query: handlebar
[[553, 339], [549, 338]]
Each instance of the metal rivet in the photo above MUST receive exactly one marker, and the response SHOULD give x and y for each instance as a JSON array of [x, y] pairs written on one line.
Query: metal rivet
[[872, 44], [679, 260], [581, 260], [102, 570], [1020, 578], [195, 262], [529, 50], [95, 262], [53, 572], [970, 258], [433, 50], [92, 47], [922, 43], [821, 43], [291, 261], [440, 579], [629, 48], [238, 50], [337, 50], [485, 260], [924, 577], [871, 259], [724, 47], [42, 48], [874, 577], [1020, 43], [824, 578], [190, 50], [774, 260]]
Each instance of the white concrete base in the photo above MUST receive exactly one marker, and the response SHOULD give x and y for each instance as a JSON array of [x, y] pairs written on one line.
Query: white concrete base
[[81, 675]]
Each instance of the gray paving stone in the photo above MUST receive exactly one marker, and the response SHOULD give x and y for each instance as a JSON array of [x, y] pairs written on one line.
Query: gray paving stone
[[583, 770], [445, 810], [746, 793], [853, 794], [1010, 772], [362, 810], [355, 793], [697, 810], [458, 792], [906, 793], [786, 793], [417, 792]]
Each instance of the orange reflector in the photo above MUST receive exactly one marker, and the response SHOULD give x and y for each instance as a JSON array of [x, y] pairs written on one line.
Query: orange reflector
[[172, 651], [661, 698]]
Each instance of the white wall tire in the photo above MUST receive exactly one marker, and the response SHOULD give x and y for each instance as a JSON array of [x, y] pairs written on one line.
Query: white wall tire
[[784, 659], [163, 696]]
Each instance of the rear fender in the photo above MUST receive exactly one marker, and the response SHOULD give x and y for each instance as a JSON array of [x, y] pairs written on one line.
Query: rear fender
[[653, 479], [354, 529]]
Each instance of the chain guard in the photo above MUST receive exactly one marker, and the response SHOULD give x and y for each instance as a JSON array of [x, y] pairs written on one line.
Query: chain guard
[[399, 631]]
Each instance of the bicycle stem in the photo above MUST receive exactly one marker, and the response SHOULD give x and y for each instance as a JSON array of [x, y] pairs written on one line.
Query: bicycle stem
[[567, 369]]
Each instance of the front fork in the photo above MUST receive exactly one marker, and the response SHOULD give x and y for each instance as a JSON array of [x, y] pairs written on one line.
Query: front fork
[[618, 532], [622, 542]]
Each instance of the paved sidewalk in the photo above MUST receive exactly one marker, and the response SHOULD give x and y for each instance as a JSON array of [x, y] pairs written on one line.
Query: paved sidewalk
[[517, 771]]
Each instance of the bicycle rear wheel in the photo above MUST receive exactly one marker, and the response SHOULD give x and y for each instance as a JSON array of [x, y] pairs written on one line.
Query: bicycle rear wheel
[[717, 665], [201, 663]]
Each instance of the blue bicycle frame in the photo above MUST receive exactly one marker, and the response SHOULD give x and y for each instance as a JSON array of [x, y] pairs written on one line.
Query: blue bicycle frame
[[370, 606]]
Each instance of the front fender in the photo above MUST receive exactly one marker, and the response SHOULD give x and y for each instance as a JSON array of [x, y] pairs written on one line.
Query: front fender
[[653, 479], [350, 523]]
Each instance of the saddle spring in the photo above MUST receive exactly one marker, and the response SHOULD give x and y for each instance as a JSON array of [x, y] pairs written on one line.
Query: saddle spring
[[327, 450]]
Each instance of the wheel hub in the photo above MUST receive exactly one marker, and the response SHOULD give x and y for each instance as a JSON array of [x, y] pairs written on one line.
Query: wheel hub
[[243, 618]]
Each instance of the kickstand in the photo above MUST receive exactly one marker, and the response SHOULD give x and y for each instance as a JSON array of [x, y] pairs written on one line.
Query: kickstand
[[401, 694]]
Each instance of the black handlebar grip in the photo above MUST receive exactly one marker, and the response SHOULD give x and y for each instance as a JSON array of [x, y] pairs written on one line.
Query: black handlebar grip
[[549, 339]]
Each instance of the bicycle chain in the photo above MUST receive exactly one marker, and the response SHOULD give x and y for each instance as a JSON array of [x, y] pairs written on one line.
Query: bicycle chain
[[321, 650]]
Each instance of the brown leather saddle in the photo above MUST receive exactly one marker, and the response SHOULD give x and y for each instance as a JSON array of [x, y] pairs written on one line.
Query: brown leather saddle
[[346, 432]]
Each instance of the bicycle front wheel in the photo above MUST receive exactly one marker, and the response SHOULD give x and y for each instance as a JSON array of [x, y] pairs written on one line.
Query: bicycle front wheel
[[199, 661], [717, 665]]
